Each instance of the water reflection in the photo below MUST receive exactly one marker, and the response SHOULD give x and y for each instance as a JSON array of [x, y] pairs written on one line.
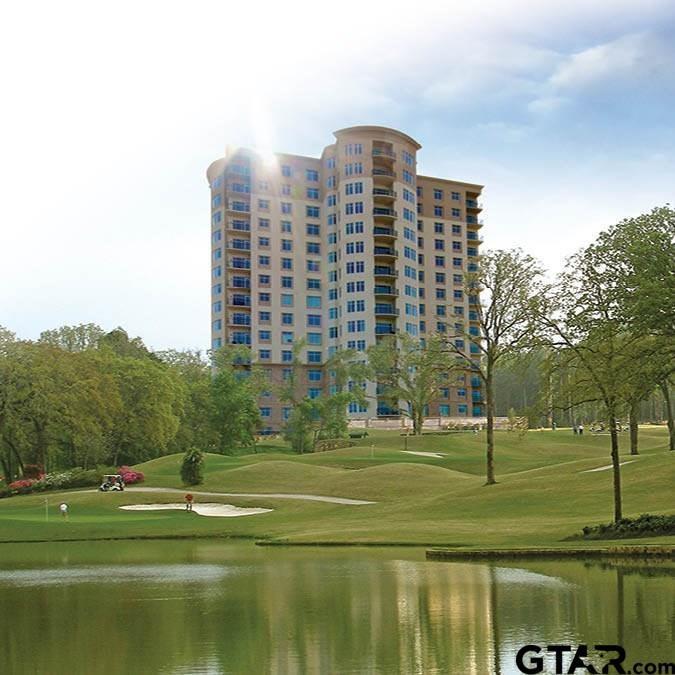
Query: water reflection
[[210, 608]]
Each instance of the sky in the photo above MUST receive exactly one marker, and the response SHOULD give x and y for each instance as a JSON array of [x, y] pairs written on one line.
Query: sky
[[111, 113]]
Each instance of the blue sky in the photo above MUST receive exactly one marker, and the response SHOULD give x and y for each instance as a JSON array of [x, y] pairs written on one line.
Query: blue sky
[[564, 110]]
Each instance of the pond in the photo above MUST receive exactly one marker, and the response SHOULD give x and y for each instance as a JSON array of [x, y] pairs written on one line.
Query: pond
[[181, 607]]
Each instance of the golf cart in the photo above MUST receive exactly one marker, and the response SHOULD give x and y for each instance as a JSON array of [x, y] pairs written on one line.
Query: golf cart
[[112, 483]]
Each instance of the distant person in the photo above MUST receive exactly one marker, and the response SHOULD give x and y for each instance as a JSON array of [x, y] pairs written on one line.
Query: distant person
[[554, 426], [63, 507], [581, 430], [575, 430], [188, 502]]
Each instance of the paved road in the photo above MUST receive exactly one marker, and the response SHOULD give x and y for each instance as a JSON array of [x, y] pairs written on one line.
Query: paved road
[[275, 495]]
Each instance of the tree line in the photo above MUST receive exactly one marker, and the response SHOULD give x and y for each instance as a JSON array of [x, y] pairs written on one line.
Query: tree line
[[599, 337]]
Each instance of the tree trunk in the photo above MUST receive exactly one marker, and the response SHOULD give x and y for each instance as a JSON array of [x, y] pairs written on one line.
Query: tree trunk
[[633, 424], [490, 413], [665, 388], [616, 467], [6, 463]]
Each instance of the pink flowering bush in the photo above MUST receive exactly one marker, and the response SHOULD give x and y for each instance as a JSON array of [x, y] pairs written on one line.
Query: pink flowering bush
[[22, 486], [130, 476]]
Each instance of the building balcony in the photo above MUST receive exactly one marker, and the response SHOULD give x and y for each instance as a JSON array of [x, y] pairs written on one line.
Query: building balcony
[[379, 271], [382, 329], [239, 263], [474, 237], [240, 301], [237, 226], [474, 205], [237, 321], [473, 220], [385, 232], [384, 194], [381, 172], [244, 245], [384, 252], [386, 310], [386, 290], [386, 153], [379, 212], [238, 206]]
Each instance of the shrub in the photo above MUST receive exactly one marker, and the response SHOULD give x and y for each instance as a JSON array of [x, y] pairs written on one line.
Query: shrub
[[192, 468], [22, 486], [130, 476], [646, 525]]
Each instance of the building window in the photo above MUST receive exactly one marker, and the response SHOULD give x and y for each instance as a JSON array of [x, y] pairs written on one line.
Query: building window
[[286, 207], [438, 194], [286, 170], [313, 357], [312, 211], [311, 175]]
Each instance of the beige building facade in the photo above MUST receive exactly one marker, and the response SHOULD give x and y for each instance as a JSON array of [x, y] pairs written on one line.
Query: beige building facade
[[340, 251]]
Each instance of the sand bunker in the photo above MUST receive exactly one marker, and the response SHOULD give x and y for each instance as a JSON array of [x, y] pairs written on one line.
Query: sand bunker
[[438, 455], [214, 510]]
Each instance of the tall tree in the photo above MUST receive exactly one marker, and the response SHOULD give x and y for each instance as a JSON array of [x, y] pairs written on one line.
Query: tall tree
[[152, 401], [506, 294], [194, 372], [412, 371], [585, 324], [235, 387], [640, 254]]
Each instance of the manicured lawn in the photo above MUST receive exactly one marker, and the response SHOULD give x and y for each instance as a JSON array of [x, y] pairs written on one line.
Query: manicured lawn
[[543, 494]]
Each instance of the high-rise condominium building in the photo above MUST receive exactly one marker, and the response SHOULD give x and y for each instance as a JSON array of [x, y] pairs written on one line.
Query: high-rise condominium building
[[340, 250]]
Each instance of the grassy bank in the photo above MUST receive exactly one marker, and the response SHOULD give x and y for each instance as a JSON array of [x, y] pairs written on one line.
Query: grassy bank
[[547, 492]]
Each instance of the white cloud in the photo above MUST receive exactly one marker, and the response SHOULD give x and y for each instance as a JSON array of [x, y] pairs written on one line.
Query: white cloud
[[546, 104], [629, 56]]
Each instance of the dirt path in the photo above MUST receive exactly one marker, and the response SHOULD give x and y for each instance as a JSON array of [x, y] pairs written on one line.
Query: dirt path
[[274, 495]]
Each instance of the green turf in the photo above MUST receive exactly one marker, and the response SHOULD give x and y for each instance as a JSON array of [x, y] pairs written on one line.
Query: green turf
[[543, 494]]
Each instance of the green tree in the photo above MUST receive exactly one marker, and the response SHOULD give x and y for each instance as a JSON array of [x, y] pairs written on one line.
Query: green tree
[[192, 467], [412, 371], [195, 428], [640, 255], [505, 294], [324, 416], [152, 401], [73, 338], [586, 325], [235, 416]]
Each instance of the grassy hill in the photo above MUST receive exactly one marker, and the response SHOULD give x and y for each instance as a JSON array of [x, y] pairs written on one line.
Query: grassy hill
[[546, 492]]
